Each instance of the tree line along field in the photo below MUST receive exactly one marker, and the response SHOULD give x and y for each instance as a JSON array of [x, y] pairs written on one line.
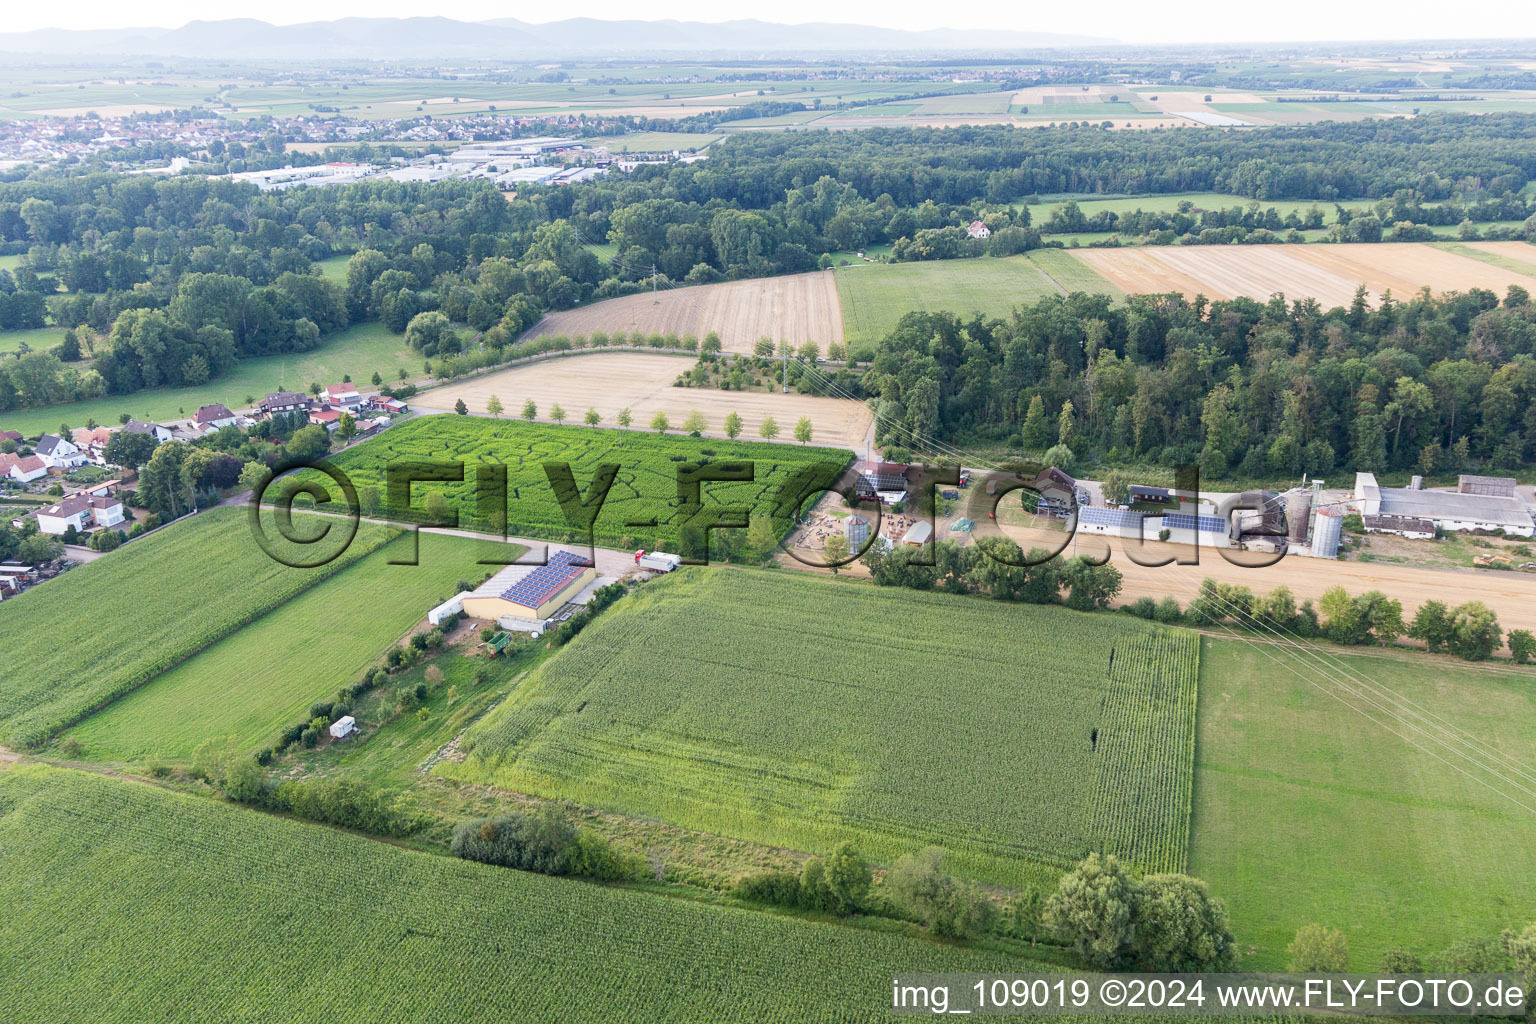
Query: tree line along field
[[359, 351], [800, 712], [304, 923], [644, 491], [260, 678], [111, 625], [643, 383], [1313, 804]]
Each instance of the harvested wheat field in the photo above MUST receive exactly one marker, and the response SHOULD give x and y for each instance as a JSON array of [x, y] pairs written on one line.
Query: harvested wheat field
[[1511, 595], [642, 382], [1328, 273], [796, 308], [1521, 254]]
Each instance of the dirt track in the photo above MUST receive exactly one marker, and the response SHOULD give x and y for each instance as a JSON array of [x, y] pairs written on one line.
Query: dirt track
[[797, 308], [1511, 595], [642, 382]]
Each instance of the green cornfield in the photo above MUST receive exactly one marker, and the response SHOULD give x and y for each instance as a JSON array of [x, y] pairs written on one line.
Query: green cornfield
[[644, 492], [1144, 747], [265, 676], [125, 902], [799, 712], [104, 628]]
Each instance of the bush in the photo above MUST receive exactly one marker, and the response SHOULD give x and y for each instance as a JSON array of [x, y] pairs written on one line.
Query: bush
[[1319, 949], [776, 888], [309, 737], [531, 842], [919, 885]]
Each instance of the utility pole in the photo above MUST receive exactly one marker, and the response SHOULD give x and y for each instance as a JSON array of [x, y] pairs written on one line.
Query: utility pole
[[654, 299]]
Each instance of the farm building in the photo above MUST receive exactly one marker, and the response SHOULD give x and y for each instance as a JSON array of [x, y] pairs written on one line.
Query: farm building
[[1111, 521], [1150, 495], [884, 480], [531, 593], [1258, 516], [1413, 529], [856, 529], [920, 533], [976, 229], [343, 727], [1492, 486], [453, 606], [1447, 510], [1056, 487], [1194, 528]]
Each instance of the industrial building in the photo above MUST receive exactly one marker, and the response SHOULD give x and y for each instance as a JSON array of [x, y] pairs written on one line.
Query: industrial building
[[526, 596], [1459, 510]]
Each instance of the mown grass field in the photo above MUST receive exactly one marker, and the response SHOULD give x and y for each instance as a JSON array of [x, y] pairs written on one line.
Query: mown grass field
[[127, 902], [359, 351], [257, 680], [800, 712], [875, 296], [644, 491], [40, 339], [1308, 811], [109, 626]]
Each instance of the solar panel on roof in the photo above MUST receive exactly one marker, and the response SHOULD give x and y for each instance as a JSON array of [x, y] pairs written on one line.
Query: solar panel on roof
[[1109, 517], [1204, 524]]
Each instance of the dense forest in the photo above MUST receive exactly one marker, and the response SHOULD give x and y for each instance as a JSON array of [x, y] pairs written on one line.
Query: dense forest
[[1262, 390]]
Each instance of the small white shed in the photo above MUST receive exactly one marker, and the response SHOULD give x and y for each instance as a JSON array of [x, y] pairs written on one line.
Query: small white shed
[[343, 727]]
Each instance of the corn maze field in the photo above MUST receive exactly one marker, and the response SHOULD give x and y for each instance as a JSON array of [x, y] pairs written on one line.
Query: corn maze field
[[148, 607], [800, 712], [114, 889], [643, 504], [1144, 747]]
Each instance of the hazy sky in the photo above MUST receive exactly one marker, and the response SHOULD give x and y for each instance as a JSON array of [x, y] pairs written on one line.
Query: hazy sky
[[1126, 20]]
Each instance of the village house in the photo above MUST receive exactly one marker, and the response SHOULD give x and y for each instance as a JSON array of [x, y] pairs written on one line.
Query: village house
[[160, 433], [92, 442], [344, 396], [282, 401], [22, 468], [59, 454], [976, 229], [82, 511], [214, 417]]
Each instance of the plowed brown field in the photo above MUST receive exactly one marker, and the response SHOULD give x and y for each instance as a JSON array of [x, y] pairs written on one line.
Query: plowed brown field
[[1328, 273], [796, 308], [642, 382]]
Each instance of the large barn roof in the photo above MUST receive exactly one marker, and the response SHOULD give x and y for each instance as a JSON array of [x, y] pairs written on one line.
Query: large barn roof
[[545, 581]]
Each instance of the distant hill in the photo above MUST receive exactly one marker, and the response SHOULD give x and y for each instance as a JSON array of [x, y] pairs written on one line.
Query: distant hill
[[444, 37]]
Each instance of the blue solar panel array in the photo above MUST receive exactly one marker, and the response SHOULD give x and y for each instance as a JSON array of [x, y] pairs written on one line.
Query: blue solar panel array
[[1109, 517], [538, 586], [1185, 521]]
